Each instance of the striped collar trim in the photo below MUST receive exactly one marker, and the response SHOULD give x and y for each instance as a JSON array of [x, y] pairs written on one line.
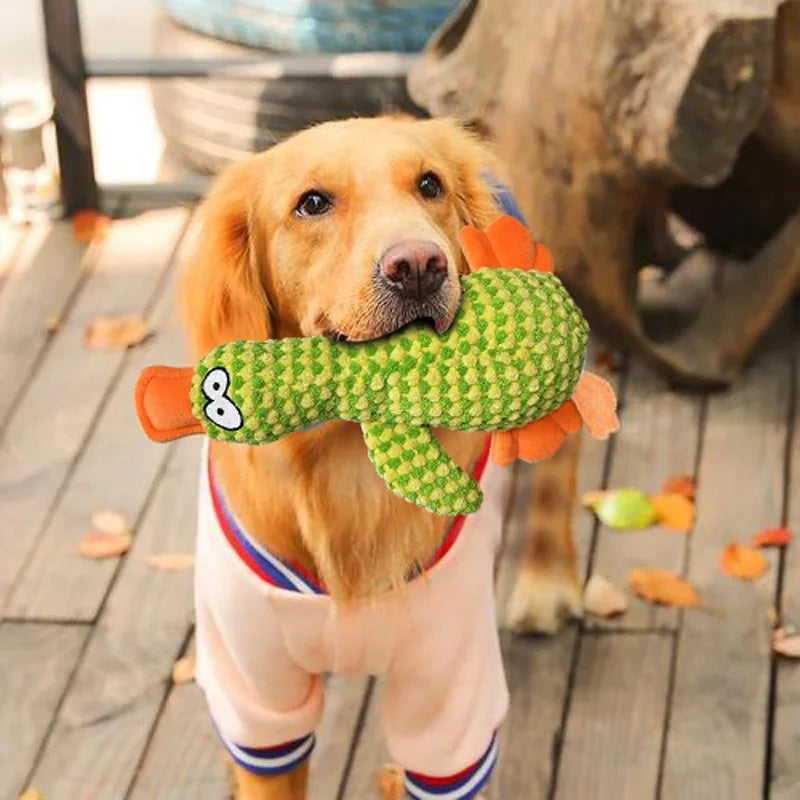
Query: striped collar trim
[[266, 565], [463, 785], [291, 576]]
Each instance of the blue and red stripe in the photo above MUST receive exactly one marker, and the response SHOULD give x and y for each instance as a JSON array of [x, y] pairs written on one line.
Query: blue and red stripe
[[271, 760], [461, 786], [289, 575]]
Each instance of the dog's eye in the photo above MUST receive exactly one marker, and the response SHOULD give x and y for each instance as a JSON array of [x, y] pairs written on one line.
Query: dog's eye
[[430, 186], [312, 204]]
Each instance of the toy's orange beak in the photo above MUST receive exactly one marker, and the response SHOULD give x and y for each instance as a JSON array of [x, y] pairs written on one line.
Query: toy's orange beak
[[163, 404]]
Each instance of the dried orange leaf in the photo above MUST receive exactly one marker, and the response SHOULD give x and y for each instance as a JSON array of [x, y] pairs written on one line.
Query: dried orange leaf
[[112, 522], [680, 484], [88, 225], [104, 545], [773, 537], [390, 782], [591, 499], [171, 562], [741, 561], [664, 587], [602, 598], [116, 333], [183, 670], [788, 646], [675, 511], [31, 794]]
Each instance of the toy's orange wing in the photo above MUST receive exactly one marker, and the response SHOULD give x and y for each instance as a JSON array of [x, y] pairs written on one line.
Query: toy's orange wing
[[163, 404]]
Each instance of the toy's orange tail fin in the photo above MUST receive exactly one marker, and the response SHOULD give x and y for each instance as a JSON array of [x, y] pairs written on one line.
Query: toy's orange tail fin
[[163, 404], [593, 403], [516, 248]]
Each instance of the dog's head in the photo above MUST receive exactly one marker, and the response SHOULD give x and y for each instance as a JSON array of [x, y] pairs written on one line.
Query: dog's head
[[348, 229]]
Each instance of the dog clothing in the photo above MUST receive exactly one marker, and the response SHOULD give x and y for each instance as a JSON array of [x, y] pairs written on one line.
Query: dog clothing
[[267, 632]]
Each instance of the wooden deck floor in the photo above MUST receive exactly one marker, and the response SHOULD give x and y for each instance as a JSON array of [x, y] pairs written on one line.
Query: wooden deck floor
[[657, 704]]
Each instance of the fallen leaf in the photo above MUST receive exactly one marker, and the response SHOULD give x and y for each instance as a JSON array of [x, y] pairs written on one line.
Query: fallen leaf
[[88, 225], [104, 545], [171, 562], [112, 522], [680, 484], [31, 794], [675, 511], [116, 333], [787, 645], [591, 499], [783, 632], [626, 509], [741, 561], [664, 587], [773, 537], [183, 670], [389, 781], [602, 598]]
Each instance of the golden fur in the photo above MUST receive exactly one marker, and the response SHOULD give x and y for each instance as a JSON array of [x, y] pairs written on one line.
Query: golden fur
[[261, 272]]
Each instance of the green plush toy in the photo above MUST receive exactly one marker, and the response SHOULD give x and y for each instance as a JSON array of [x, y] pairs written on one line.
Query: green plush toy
[[514, 355]]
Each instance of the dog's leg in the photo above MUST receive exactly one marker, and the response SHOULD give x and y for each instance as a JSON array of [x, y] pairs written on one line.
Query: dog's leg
[[547, 588], [288, 786]]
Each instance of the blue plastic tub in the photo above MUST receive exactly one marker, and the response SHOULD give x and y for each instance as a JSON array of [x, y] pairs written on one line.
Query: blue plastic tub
[[333, 26]]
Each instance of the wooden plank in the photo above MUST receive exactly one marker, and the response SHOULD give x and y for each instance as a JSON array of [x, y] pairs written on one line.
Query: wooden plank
[[344, 698], [537, 669], [49, 424], [785, 777], [184, 758], [104, 723], [370, 755], [717, 731], [48, 268], [36, 662], [56, 582], [659, 438], [613, 733]]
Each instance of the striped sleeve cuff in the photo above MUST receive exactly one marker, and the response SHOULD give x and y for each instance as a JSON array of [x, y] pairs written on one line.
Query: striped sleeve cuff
[[271, 760], [462, 786]]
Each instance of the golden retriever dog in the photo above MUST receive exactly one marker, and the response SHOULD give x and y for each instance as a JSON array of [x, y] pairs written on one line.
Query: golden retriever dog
[[350, 230]]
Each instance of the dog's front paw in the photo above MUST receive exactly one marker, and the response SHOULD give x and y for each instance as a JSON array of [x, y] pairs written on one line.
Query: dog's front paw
[[541, 602]]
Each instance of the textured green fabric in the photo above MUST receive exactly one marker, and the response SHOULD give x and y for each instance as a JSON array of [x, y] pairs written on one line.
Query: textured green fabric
[[514, 353]]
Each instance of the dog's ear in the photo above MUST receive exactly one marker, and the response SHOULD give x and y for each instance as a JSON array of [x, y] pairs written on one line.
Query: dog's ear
[[222, 293], [473, 163]]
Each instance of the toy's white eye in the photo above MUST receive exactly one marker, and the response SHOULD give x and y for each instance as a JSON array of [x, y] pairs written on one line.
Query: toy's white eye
[[220, 409]]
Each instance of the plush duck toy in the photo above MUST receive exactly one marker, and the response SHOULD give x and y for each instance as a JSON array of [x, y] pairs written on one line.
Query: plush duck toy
[[511, 363]]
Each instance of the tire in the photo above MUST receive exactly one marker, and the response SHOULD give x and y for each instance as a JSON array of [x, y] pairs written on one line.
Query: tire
[[211, 122], [331, 26]]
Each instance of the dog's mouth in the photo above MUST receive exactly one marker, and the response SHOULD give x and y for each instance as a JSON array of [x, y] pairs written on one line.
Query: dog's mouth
[[389, 317]]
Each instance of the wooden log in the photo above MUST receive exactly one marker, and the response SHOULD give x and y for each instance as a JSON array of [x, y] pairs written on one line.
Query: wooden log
[[600, 109]]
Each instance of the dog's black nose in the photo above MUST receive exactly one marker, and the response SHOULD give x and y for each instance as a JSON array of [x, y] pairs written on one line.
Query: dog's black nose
[[414, 269]]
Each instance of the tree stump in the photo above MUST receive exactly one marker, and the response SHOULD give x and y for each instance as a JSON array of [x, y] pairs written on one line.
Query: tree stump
[[610, 114]]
